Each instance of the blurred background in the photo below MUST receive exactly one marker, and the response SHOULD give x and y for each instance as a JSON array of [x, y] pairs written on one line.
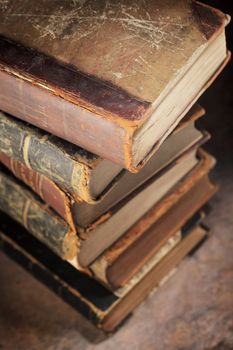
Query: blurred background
[[181, 316], [218, 102]]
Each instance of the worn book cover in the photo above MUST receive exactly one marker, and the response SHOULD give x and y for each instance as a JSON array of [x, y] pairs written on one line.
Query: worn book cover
[[103, 233], [83, 247], [28, 209], [58, 197], [116, 96], [85, 176], [118, 264], [100, 234]]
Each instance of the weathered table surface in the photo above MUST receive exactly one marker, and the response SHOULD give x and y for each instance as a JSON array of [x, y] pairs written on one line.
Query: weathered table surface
[[193, 310]]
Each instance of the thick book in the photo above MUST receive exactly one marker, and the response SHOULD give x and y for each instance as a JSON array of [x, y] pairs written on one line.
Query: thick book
[[166, 247], [110, 227], [26, 208], [118, 264], [100, 306], [117, 96], [85, 176], [82, 214]]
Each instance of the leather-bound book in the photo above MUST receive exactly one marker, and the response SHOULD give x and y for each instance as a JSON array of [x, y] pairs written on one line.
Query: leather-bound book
[[24, 157], [127, 256], [99, 305], [85, 176], [83, 246], [110, 77]]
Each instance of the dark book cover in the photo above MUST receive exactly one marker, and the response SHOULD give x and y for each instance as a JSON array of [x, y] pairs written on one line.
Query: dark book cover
[[99, 305]]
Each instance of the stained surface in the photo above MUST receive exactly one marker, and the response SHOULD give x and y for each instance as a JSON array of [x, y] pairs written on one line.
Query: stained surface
[[192, 311], [120, 42]]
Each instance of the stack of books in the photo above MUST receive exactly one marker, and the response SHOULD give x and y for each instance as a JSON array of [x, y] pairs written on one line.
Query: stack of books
[[103, 183]]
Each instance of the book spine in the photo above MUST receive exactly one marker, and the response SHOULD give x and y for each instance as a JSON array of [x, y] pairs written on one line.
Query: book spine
[[25, 208], [36, 95], [46, 189], [34, 149], [60, 115]]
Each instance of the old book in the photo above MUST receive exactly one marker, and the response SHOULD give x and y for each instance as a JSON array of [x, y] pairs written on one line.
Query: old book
[[177, 146], [164, 250], [125, 258], [116, 98], [166, 247], [85, 176], [27, 208], [112, 225], [103, 233], [99, 305], [185, 138]]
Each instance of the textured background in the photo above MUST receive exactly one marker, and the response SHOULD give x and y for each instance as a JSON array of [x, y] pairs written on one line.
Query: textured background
[[192, 311]]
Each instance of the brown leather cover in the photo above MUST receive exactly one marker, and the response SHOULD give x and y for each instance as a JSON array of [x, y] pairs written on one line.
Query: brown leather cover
[[56, 197], [153, 278], [125, 258], [49, 192], [68, 78], [65, 164]]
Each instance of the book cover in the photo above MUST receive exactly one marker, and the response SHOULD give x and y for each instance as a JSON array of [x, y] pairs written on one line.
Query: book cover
[[85, 176], [78, 247], [114, 98], [63, 202]]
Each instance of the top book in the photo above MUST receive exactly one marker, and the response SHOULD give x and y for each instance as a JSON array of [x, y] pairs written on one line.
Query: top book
[[113, 77]]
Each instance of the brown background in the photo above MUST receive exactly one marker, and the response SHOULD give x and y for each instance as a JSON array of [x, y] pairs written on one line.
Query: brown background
[[192, 311]]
